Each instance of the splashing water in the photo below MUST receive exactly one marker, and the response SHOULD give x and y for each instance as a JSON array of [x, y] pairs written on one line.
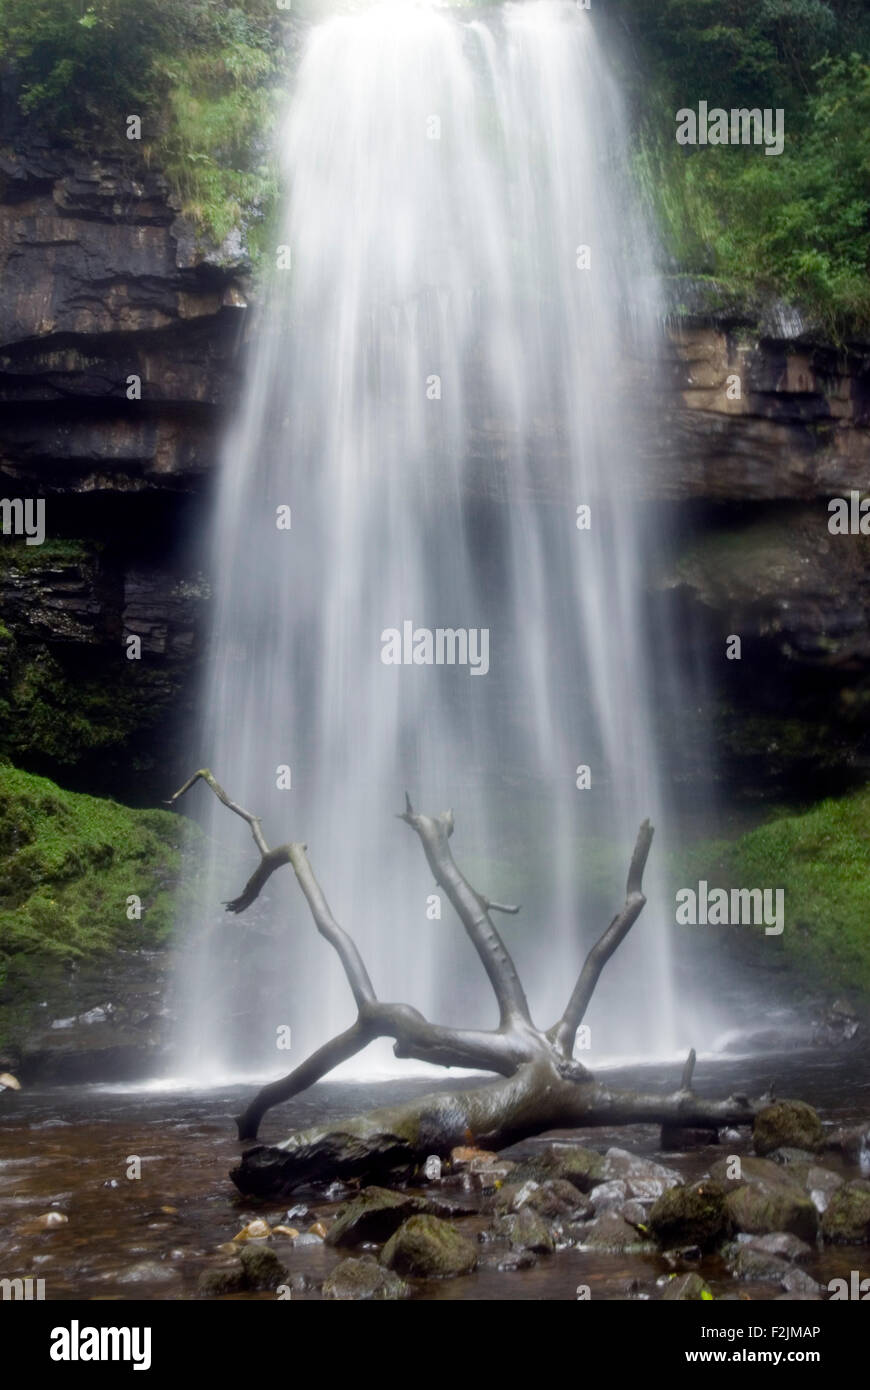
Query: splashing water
[[442, 377]]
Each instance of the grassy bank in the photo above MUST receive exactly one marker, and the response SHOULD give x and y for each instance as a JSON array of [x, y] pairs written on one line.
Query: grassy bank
[[68, 865], [821, 858]]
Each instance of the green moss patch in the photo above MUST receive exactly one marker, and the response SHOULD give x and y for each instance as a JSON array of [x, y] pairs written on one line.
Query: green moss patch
[[821, 859], [68, 864]]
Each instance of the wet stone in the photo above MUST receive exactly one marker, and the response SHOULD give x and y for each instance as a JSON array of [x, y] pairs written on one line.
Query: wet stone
[[788, 1124], [526, 1229], [262, 1268], [693, 1215], [608, 1196], [429, 1248], [797, 1281], [683, 1288], [610, 1232], [363, 1279]]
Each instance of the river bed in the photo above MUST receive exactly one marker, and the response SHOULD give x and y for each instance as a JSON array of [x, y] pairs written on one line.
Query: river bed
[[69, 1151]]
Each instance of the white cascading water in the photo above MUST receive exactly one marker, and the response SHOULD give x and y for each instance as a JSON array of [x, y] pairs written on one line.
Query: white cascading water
[[438, 384]]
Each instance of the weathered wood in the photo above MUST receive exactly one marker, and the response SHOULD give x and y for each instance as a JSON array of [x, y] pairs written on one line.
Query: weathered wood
[[542, 1086]]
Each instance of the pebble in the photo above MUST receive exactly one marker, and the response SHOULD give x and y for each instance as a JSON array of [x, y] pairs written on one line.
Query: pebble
[[46, 1222], [255, 1230]]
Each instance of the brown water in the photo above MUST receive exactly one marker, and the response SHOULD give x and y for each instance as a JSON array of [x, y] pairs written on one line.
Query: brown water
[[68, 1151]]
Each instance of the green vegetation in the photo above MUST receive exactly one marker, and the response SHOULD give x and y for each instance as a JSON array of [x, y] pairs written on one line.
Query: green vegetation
[[821, 858], [205, 75], [798, 224], [68, 706], [68, 863], [201, 75]]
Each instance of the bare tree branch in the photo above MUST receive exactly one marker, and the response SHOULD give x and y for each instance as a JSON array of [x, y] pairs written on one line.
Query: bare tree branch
[[204, 775], [541, 1086], [565, 1031], [434, 833]]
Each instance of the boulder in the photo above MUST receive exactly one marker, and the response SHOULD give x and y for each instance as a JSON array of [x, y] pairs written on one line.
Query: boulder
[[760, 1209], [373, 1216], [429, 1248], [690, 1216], [556, 1199], [262, 1268], [356, 1280], [609, 1232], [787, 1124], [643, 1178], [526, 1229], [608, 1196], [584, 1168], [214, 1283], [846, 1219]]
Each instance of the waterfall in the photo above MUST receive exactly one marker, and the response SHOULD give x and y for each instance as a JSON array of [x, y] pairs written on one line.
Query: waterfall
[[445, 376]]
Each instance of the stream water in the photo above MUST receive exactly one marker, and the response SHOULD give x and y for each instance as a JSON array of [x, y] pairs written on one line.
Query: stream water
[[69, 1150]]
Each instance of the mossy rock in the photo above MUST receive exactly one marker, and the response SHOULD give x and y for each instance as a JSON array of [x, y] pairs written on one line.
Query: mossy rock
[[373, 1216], [526, 1229], [363, 1279], [761, 1209], [612, 1233], [583, 1168], [428, 1248], [690, 1216], [215, 1283], [262, 1268], [846, 1219], [787, 1124]]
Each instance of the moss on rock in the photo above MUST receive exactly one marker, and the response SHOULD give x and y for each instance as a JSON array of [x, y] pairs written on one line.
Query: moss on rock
[[429, 1248], [787, 1124], [68, 865], [690, 1216], [820, 858]]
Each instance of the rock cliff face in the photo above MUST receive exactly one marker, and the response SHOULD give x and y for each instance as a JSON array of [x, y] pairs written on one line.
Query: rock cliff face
[[119, 346], [764, 425], [121, 353]]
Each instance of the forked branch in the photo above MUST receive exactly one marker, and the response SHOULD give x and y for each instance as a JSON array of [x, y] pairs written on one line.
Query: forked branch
[[500, 1051], [565, 1031], [473, 911], [540, 1087]]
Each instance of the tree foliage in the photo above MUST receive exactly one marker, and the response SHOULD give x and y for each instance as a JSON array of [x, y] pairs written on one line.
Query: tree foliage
[[797, 224], [200, 74]]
